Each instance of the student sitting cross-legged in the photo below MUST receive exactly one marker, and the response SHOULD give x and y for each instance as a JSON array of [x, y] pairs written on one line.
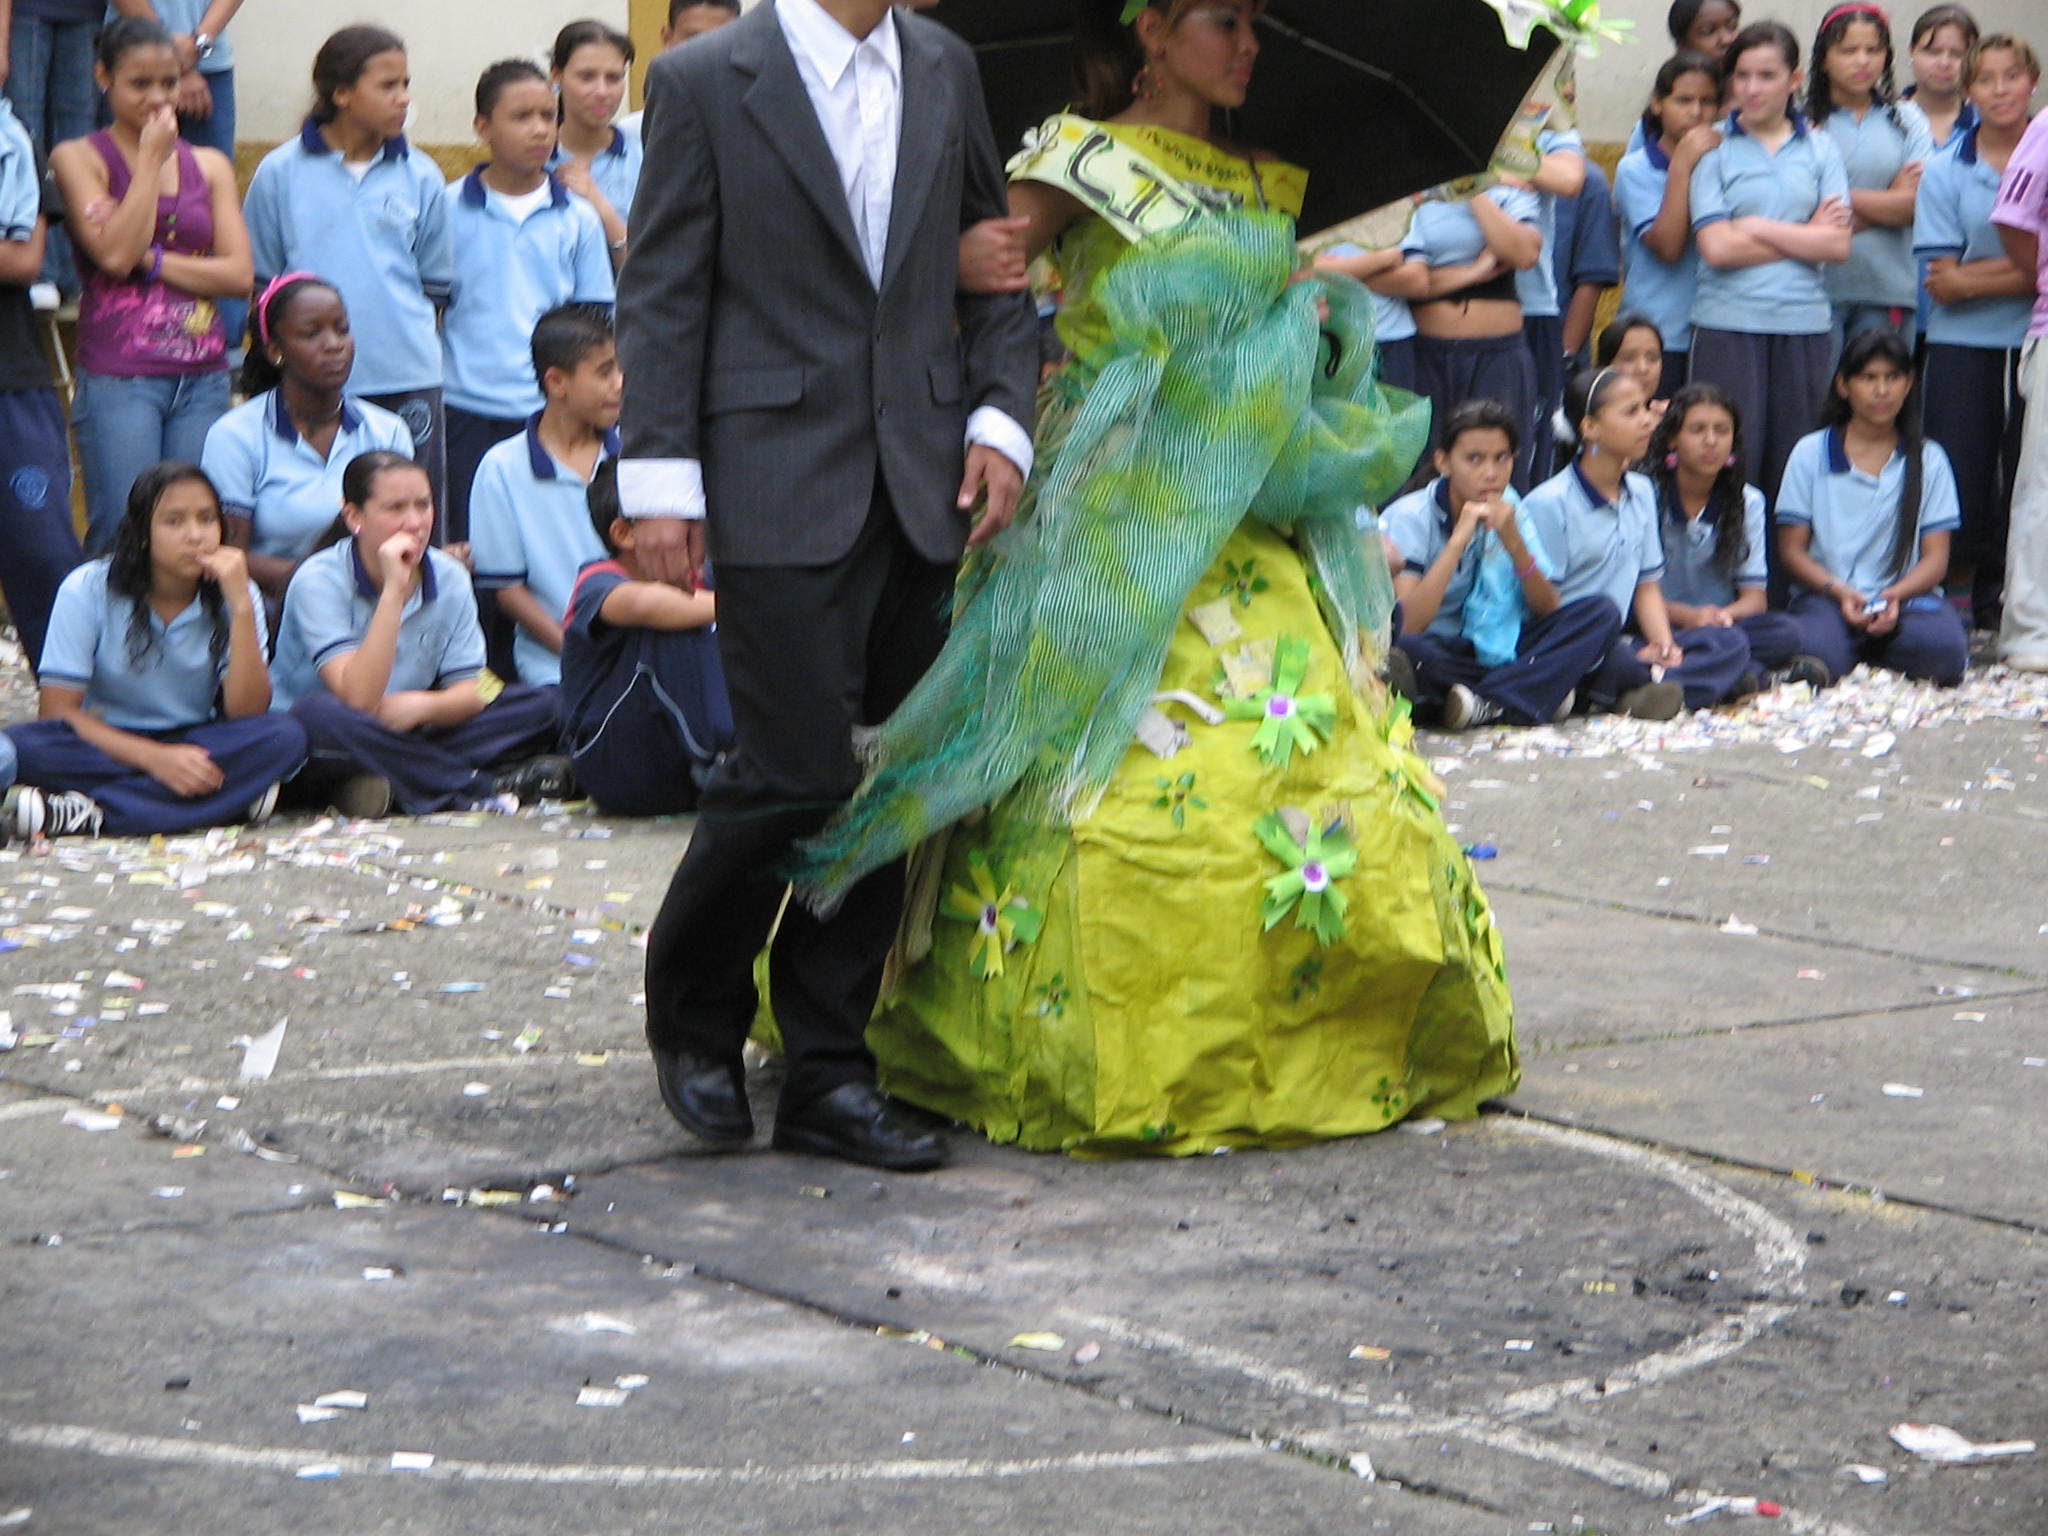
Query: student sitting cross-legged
[[529, 517], [154, 688], [382, 660], [644, 708], [1484, 637], [1599, 523], [1864, 521]]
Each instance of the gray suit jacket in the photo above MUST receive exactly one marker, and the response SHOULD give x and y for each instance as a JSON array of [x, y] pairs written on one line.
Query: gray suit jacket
[[751, 336]]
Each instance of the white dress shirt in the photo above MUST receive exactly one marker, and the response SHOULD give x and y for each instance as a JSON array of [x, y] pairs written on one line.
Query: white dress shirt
[[856, 89]]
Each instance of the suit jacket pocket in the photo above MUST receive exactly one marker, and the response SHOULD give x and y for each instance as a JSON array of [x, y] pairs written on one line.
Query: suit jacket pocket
[[752, 389], [946, 381]]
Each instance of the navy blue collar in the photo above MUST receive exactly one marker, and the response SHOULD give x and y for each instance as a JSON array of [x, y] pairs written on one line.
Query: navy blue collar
[[1441, 491], [281, 419], [1592, 492], [367, 589], [315, 143], [543, 463], [1795, 117], [1838, 452], [1655, 150], [617, 148], [1966, 143], [473, 188]]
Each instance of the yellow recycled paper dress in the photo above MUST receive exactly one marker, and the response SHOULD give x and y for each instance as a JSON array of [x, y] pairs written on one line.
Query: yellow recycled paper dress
[[1107, 979]]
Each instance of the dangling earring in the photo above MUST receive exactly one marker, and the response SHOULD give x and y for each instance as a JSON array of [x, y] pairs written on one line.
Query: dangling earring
[[1146, 86], [1733, 460], [1592, 450], [1671, 461]]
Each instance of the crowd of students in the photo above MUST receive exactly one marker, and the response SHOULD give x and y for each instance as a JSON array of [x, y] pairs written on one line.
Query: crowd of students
[[1807, 422], [1802, 446]]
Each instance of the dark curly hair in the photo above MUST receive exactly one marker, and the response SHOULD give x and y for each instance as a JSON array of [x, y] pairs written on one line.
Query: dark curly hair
[[1820, 100], [131, 574], [1725, 502]]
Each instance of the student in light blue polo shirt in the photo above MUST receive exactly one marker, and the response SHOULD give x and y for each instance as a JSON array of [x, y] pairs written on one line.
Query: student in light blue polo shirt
[[1885, 143], [1770, 209], [527, 244], [1391, 285], [277, 458], [382, 662], [1979, 305], [1598, 520], [529, 513], [1653, 196], [350, 199], [152, 723], [595, 159], [1866, 513], [1562, 174]]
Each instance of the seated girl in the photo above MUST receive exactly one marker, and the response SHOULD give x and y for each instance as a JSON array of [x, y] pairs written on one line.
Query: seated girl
[[1482, 636], [381, 659], [1599, 523], [1864, 520], [1713, 529], [278, 457], [154, 688]]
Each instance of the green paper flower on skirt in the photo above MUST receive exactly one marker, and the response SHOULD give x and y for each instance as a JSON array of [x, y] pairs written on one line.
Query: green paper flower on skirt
[[1308, 888], [1286, 719], [1002, 919]]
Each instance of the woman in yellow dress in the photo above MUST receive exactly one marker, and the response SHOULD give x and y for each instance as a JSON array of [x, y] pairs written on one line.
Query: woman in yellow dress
[[1182, 884]]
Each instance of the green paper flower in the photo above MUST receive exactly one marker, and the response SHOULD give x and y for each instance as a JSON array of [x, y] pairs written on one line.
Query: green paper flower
[[1577, 23], [1286, 719], [1052, 997], [1308, 888], [1002, 919], [1307, 978], [1242, 580], [1176, 795]]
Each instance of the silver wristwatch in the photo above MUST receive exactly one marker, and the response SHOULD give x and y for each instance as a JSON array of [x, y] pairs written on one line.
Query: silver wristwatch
[[202, 45]]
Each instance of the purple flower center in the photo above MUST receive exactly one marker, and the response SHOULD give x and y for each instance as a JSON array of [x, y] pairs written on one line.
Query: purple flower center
[[1280, 706], [988, 918], [1315, 877]]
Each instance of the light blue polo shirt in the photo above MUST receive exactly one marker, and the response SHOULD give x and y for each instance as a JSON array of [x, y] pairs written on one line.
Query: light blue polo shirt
[[1420, 525], [1691, 574], [173, 685], [1601, 548], [615, 169], [1854, 516], [1537, 286], [1662, 292], [1392, 320], [1744, 179], [181, 18], [267, 473], [1447, 234], [382, 241], [529, 525], [328, 607], [1953, 218], [509, 276], [1875, 148]]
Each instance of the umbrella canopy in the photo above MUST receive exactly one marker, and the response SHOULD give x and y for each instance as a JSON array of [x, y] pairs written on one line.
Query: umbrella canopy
[[1377, 99]]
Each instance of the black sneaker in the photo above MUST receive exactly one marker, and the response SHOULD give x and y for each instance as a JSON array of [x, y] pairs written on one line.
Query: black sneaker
[[37, 813], [1810, 670], [363, 797], [1652, 701], [538, 778], [1401, 674], [1465, 710]]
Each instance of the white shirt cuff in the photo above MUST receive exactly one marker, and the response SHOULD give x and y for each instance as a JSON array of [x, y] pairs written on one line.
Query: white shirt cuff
[[661, 488], [997, 429]]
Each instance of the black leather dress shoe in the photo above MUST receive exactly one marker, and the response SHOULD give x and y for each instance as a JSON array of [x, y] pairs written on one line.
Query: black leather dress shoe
[[707, 1095], [857, 1123]]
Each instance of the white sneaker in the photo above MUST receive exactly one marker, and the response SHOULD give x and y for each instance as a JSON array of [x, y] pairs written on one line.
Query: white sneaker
[[45, 298], [264, 807], [2027, 661], [1564, 709], [37, 813], [1465, 710]]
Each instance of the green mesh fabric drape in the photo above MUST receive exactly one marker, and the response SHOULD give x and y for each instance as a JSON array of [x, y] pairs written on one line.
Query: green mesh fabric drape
[[1221, 395]]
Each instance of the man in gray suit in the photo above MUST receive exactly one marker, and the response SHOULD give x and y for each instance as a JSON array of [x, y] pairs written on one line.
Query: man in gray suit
[[811, 404]]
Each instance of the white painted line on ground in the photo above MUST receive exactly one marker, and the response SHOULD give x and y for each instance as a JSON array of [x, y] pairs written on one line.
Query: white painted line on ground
[[202, 1453], [28, 1109], [186, 1083]]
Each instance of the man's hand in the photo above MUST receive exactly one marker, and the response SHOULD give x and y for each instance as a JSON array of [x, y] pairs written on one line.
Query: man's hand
[[992, 258], [186, 771], [990, 472], [670, 549]]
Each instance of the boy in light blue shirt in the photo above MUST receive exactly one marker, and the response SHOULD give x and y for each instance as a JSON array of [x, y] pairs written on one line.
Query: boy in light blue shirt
[[530, 530]]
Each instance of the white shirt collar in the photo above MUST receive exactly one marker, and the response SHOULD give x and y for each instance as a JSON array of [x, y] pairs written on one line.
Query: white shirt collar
[[813, 33]]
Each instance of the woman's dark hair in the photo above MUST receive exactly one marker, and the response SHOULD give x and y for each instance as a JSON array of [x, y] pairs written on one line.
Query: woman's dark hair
[[341, 61], [259, 374], [123, 35], [1761, 34], [1107, 57], [1820, 99], [1669, 73], [131, 574], [1586, 393], [1725, 507], [1885, 346], [1934, 19], [501, 77], [359, 479], [1608, 347], [1479, 416], [581, 34], [1683, 13]]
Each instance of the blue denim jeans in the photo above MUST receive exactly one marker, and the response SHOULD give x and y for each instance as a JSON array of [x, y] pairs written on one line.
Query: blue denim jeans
[[124, 425], [49, 82]]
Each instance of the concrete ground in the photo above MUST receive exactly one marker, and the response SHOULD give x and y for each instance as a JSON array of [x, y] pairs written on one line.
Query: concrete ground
[[1711, 1247]]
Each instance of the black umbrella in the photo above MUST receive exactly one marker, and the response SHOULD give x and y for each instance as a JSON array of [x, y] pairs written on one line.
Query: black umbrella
[[1375, 98]]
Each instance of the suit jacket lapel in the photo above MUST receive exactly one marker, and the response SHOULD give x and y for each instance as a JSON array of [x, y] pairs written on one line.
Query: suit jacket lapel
[[927, 118], [781, 108]]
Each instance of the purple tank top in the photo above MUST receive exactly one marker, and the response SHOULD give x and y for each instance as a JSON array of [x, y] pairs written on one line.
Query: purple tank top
[[129, 327]]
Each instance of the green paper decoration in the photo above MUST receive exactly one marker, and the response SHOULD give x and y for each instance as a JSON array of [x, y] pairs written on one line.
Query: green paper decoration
[[1308, 887], [1286, 719], [1002, 919]]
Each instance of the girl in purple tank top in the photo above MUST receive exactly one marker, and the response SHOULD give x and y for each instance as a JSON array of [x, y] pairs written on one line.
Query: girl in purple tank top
[[160, 239]]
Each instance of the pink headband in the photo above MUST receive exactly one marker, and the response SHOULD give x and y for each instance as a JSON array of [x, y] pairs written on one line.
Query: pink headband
[[277, 284], [1856, 8]]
